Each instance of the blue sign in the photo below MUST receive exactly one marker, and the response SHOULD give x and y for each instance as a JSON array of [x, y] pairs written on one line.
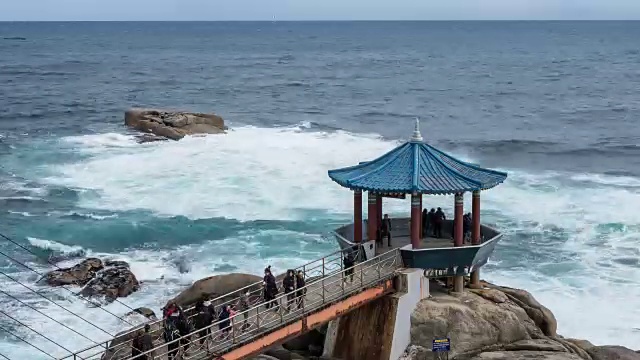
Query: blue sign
[[441, 345]]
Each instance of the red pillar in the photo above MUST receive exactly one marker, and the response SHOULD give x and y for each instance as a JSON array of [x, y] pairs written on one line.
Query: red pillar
[[421, 219], [357, 216], [458, 281], [475, 232], [415, 220], [373, 217], [379, 210]]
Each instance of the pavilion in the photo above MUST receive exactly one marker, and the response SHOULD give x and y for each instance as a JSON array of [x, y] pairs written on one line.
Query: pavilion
[[417, 168]]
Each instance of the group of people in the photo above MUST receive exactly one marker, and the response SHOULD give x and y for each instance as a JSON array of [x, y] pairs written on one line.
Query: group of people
[[293, 285], [432, 223], [177, 325]]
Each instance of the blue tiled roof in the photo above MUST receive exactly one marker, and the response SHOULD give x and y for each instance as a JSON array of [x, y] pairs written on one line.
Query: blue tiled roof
[[417, 167]]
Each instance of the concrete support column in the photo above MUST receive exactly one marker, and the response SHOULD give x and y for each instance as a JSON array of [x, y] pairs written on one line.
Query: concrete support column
[[357, 216], [373, 217], [475, 232], [416, 211], [458, 236]]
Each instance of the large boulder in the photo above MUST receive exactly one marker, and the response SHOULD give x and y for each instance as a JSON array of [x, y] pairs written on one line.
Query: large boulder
[[215, 286], [144, 311], [496, 323], [173, 125], [79, 274], [472, 321], [112, 282], [612, 353]]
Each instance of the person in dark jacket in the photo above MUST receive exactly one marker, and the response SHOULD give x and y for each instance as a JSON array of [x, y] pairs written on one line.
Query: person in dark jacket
[[300, 292], [440, 217], [202, 320], [385, 229], [184, 328], [270, 288], [348, 262], [425, 222], [466, 227], [431, 218], [289, 286], [171, 335], [225, 322]]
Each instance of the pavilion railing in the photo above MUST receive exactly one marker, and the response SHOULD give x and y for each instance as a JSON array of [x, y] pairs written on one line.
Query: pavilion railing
[[313, 270], [331, 287]]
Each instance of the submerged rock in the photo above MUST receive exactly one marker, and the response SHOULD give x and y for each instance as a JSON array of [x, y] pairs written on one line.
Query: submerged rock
[[79, 274], [172, 125], [112, 282]]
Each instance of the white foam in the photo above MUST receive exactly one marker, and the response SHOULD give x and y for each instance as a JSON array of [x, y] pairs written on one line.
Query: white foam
[[254, 173], [55, 246]]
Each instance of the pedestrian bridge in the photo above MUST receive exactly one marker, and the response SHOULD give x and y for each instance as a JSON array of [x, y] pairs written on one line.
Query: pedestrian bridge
[[331, 291]]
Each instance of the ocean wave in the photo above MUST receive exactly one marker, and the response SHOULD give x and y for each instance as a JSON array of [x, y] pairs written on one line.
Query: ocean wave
[[92, 216], [54, 251]]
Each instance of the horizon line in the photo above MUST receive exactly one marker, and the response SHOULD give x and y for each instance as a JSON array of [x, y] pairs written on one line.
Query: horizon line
[[329, 20]]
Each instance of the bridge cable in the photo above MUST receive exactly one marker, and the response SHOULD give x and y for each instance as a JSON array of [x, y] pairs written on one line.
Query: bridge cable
[[54, 265], [47, 316], [4, 356], [35, 331], [62, 287], [53, 302], [24, 341]]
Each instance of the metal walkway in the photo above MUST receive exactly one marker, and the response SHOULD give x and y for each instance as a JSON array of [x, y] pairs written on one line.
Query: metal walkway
[[331, 291]]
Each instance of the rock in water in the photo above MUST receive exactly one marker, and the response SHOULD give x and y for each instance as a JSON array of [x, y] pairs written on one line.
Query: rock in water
[[79, 274], [112, 282], [215, 286], [146, 312], [173, 125]]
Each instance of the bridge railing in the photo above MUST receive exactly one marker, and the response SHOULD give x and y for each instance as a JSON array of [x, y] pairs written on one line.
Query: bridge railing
[[257, 321], [254, 294]]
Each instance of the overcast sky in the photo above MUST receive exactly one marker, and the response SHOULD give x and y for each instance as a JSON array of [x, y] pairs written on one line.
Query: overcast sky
[[14, 10]]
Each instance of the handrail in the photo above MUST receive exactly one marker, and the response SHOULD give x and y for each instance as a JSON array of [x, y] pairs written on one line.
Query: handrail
[[257, 320], [234, 337], [311, 269]]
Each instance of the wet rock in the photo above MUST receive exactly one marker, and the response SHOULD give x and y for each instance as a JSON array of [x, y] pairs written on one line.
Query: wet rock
[[173, 125], [146, 312], [214, 286], [111, 283], [79, 274]]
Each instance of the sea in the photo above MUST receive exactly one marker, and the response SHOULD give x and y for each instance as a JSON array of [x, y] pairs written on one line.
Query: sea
[[555, 104]]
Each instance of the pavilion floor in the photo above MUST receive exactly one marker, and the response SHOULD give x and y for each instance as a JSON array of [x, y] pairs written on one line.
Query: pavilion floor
[[402, 238]]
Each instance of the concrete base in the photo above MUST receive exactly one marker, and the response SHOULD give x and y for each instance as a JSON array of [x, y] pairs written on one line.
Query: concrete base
[[379, 330]]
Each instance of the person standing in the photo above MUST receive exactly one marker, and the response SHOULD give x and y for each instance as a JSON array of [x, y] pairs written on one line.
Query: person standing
[[301, 291], [440, 217], [289, 286], [385, 229], [270, 288], [349, 262]]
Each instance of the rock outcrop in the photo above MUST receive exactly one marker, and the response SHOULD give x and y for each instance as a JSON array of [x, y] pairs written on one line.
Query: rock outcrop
[[146, 312], [172, 125], [109, 279], [215, 286], [79, 274], [495, 323], [114, 281]]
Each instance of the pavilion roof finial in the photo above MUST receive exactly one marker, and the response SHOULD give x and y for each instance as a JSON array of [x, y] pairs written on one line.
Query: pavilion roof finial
[[417, 136]]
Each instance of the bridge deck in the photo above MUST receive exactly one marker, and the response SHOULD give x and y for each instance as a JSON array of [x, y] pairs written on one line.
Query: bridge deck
[[330, 293]]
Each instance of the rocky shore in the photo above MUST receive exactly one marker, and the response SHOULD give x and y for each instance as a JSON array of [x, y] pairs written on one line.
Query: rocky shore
[[174, 125], [495, 323]]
